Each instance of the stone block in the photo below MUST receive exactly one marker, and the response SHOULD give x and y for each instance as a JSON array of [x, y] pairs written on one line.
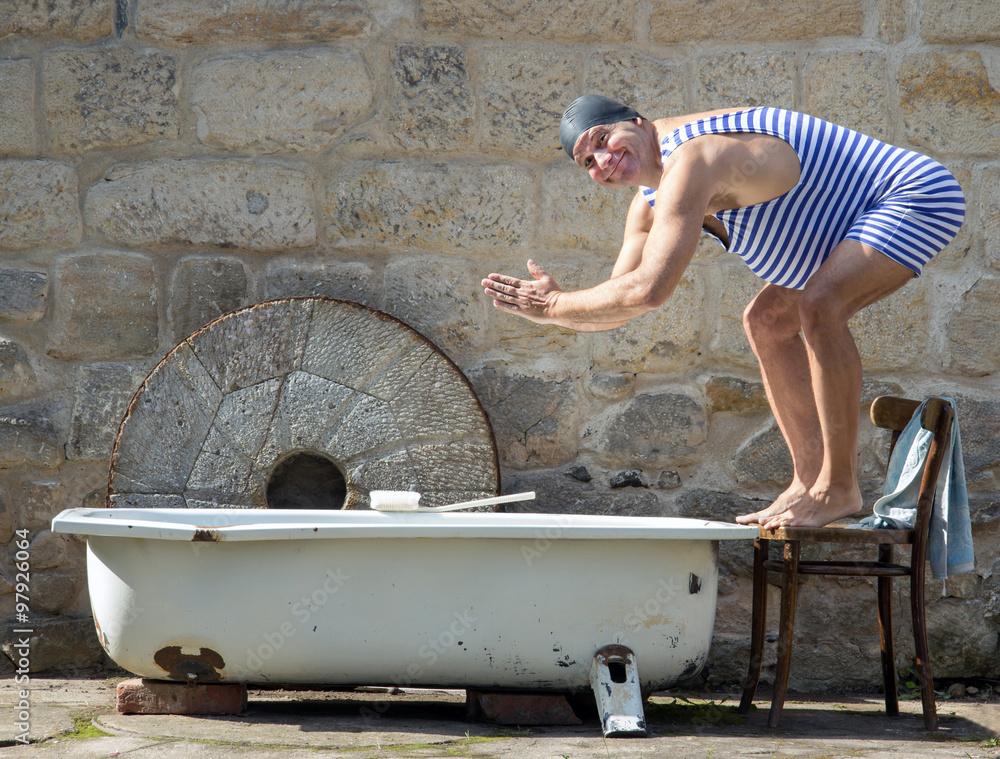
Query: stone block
[[109, 97], [53, 592], [23, 294], [18, 134], [659, 430], [39, 205], [103, 392], [948, 103], [579, 213], [891, 21], [441, 299], [989, 211], [736, 395], [664, 340], [971, 330], [57, 645], [17, 375], [250, 21], [961, 639], [255, 205], [202, 289], [676, 21], [520, 708], [652, 86], [533, 418], [964, 23], [729, 339], [433, 103], [524, 95], [300, 100], [430, 206], [32, 502], [850, 89], [142, 696], [105, 307], [49, 550], [347, 280], [584, 20], [29, 434], [555, 492], [745, 79], [59, 18], [893, 333], [611, 386], [521, 339], [763, 459]]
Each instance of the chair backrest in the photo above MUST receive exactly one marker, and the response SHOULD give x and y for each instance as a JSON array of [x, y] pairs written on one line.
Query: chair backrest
[[937, 417]]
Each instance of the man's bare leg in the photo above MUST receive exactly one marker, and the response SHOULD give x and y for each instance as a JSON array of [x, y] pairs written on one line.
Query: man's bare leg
[[853, 277], [772, 326]]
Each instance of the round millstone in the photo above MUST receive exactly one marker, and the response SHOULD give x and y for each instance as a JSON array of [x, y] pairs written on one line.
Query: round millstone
[[302, 400]]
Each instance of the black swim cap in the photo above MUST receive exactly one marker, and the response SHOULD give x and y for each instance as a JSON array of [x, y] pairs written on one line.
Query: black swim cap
[[590, 111]]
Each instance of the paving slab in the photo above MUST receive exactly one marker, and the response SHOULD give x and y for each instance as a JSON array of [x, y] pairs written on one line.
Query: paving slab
[[413, 723]]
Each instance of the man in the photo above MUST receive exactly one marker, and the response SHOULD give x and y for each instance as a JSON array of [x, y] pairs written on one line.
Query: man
[[830, 219]]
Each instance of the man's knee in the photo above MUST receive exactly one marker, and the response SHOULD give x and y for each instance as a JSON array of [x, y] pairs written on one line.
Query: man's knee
[[772, 314], [823, 307]]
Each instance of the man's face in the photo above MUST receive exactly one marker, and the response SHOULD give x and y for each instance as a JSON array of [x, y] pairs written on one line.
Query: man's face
[[613, 153]]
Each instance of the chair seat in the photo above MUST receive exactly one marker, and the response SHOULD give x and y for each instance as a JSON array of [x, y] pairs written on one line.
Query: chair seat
[[838, 533]]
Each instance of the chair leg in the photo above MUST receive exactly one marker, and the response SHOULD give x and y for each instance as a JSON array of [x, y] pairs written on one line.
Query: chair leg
[[789, 591], [758, 623], [920, 643], [885, 634]]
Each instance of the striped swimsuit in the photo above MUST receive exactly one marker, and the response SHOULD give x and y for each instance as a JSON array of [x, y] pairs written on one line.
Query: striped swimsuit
[[850, 187]]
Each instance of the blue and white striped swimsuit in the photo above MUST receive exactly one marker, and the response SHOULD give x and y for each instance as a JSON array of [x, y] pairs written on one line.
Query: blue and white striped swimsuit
[[850, 187]]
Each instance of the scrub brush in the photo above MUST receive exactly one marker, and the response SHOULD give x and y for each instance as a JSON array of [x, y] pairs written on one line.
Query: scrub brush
[[405, 500]]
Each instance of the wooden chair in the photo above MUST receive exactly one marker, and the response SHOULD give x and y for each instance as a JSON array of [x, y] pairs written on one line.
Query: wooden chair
[[889, 413]]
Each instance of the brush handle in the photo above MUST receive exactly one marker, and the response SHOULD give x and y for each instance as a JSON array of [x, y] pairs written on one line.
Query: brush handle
[[529, 496]]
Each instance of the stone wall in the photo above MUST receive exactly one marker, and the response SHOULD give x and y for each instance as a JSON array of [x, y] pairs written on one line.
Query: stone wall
[[165, 161]]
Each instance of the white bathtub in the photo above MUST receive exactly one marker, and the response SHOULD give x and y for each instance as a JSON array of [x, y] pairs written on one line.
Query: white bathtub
[[464, 600]]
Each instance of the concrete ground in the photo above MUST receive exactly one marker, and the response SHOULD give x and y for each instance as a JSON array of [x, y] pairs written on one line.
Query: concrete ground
[[77, 718]]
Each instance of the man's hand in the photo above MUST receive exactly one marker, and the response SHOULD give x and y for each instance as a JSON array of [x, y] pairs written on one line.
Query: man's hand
[[531, 299]]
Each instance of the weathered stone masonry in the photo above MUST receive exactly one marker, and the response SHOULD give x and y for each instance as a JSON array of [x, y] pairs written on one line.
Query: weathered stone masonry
[[165, 161]]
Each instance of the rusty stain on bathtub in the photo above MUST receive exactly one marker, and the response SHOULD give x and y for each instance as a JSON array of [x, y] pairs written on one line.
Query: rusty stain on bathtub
[[101, 637], [205, 666]]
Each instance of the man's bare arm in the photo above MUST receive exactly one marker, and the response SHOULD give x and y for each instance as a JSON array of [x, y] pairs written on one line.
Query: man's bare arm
[[648, 269]]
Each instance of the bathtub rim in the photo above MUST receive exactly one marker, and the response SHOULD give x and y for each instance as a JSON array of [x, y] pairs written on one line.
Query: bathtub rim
[[225, 525]]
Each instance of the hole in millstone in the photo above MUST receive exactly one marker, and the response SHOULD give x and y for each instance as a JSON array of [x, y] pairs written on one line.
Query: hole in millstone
[[306, 481]]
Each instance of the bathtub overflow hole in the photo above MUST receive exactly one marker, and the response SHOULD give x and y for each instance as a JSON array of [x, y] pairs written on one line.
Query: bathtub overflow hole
[[617, 671], [306, 481]]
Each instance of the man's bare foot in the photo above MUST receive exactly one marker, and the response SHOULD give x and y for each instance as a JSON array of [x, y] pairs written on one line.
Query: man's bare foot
[[781, 504], [817, 508]]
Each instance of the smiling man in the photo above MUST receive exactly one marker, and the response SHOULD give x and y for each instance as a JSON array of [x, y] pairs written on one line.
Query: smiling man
[[831, 220]]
